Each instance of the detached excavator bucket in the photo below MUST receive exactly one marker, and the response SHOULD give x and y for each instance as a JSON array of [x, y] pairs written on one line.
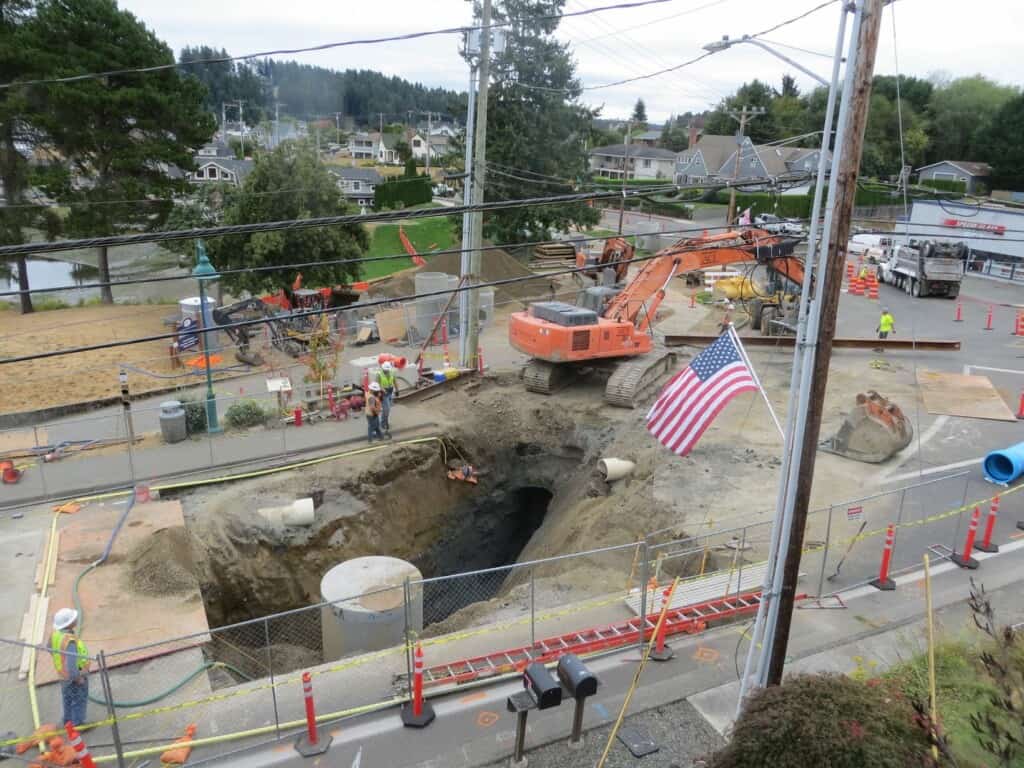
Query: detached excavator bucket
[[872, 432]]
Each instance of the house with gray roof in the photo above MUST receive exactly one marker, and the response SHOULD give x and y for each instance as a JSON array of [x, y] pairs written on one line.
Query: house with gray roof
[[635, 161], [713, 157], [973, 175], [357, 184], [216, 163]]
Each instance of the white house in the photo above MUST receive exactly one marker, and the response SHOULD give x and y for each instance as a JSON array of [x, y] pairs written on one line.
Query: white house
[[216, 163], [385, 147], [362, 146], [637, 162]]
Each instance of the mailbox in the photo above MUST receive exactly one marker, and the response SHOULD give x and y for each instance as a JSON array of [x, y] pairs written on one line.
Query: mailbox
[[542, 686], [579, 681]]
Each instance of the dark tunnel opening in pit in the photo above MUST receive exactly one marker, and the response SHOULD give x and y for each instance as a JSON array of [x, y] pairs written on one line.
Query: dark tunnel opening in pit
[[489, 534]]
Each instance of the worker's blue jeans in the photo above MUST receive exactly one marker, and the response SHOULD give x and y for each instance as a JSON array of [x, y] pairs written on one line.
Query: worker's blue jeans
[[373, 428], [75, 697], [387, 398]]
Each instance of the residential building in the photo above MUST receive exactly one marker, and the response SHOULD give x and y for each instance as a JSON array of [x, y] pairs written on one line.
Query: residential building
[[362, 146], [387, 154], [710, 157], [357, 184], [635, 161], [216, 163], [647, 138], [973, 175]]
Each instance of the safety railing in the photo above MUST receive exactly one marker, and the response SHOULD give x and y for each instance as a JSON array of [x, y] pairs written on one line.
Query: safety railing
[[241, 683]]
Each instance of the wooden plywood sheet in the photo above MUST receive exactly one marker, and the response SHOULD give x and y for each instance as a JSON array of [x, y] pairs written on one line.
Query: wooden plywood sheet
[[390, 324], [116, 617], [955, 394]]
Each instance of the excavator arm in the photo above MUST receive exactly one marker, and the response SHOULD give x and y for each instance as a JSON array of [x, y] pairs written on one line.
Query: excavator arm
[[638, 302]]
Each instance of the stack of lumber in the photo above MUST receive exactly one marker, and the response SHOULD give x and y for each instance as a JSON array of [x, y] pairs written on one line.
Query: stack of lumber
[[555, 254]]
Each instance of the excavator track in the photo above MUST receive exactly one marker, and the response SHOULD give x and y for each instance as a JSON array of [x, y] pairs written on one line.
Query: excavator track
[[547, 378], [633, 379]]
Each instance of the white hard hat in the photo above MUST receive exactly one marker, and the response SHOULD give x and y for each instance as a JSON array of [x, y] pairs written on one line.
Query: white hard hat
[[374, 386], [64, 618], [386, 365]]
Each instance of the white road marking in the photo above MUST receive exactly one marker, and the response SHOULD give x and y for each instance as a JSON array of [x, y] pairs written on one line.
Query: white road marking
[[935, 470], [968, 368], [359, 758]]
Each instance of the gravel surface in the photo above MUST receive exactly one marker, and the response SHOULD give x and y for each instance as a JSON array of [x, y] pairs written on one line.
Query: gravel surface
[[682, 734]]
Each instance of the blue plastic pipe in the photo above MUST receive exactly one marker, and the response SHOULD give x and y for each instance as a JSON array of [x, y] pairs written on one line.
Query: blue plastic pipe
[[1006, 465]]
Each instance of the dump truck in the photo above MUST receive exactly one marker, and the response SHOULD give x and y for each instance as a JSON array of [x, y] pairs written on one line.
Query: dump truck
[[926, 268]]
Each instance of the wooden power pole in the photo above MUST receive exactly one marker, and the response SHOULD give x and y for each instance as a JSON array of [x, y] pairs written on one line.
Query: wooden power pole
[[845, 190], [742, 115]]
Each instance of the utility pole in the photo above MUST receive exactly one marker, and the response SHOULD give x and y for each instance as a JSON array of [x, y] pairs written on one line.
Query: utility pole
[[337, 126], [625, 172], [241, 126], [467, 195], [471, 332], [381, 114], [429, 128], [224, 120], [742, 115], [844, 185]]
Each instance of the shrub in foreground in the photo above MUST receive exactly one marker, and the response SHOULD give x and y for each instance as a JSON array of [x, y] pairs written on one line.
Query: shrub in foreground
[[812, 721]]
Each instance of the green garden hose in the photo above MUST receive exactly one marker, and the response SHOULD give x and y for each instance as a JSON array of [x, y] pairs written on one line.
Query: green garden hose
[[164, 694]]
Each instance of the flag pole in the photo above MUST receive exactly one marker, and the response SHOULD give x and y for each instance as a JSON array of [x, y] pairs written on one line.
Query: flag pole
[[743, 353]]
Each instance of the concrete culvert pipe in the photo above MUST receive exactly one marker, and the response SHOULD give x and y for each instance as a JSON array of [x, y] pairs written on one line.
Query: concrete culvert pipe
[[1006, 465], [299, 512], [615, 469]]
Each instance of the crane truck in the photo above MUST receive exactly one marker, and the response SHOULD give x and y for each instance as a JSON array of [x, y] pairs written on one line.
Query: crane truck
[[610, 325]]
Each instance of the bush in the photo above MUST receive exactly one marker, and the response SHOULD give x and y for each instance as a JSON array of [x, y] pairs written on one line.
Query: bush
[[244, 414], [945, 185], [195, 415], [397, 193], [819, 720]]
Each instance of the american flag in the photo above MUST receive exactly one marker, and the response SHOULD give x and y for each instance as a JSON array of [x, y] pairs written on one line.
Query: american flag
[[695, 396]]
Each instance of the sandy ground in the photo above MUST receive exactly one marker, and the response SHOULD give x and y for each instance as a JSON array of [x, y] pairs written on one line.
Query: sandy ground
[[93, 375]]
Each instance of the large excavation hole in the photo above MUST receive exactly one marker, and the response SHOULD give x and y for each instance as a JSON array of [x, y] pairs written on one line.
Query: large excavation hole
[[492, 533]]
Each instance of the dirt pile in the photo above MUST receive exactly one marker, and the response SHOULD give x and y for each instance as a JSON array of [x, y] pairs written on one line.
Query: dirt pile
[[163, 564], [497, 265]]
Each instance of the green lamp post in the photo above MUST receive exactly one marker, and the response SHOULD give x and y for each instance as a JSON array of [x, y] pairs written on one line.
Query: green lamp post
[[203, 273]]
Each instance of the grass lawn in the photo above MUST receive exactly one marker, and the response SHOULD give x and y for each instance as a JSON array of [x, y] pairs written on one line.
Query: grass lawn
[[962, 689], [427, 235]]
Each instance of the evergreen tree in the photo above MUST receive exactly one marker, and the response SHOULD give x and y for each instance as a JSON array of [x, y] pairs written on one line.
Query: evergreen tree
[[313, 192], [535, 123], [760, 129], [19, 52], [122, 136], [1000, 144], [639, 116]]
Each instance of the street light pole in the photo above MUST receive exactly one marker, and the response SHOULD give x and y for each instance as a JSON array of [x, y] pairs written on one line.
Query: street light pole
[[203, 272], [725, 42]]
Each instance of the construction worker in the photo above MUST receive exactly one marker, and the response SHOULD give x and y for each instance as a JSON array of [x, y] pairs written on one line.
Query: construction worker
[[373, 409], [389, 389], [886, 324], [71, 660], [863, 272]]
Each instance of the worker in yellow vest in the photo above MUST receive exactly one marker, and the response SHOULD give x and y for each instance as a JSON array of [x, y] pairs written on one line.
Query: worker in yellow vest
[[71, 660], [886, 324], [389, 388]]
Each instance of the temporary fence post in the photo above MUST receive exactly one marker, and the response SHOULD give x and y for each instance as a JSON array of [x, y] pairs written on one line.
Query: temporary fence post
[[986, 544], [883, 582], [311, 742], [739, 575], [644, 576], [407, 598], [533, 610], [959, 312], [988, 319], [209, 445], [417, 713], [131, 451], [964, 559], [84, 758], [111, 712], [899, 518], [824, 556], [1020, 407], [270, 671]]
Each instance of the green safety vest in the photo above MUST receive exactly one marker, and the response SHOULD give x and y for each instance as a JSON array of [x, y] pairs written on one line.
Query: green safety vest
[[886, 323], [59, 642], [386, 380]]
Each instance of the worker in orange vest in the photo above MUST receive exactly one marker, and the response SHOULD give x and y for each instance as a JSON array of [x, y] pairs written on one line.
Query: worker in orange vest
[[71, 660], [374, 408]]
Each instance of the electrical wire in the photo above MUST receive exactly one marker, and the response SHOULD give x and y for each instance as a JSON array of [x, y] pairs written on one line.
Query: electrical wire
[[318, 312], [328, 46]]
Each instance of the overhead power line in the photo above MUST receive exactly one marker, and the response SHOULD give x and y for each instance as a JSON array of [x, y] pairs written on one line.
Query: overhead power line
[[328, 46]]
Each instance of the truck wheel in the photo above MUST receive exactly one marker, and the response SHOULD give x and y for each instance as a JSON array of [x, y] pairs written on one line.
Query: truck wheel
[[907, 282], [915, 289]]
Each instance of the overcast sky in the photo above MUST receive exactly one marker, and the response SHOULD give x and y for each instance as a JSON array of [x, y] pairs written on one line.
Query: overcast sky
[[933, 36]]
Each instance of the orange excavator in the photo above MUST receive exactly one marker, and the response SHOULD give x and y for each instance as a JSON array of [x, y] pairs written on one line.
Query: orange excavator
[[610, 326]]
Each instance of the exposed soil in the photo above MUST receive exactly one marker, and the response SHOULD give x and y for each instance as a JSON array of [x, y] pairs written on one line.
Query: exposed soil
[[162, 564]]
